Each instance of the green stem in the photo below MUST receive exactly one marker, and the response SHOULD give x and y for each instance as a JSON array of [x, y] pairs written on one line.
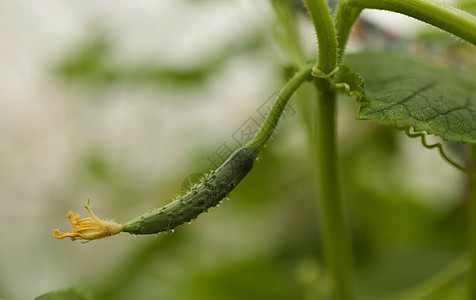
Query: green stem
[[344, 19], [287, 35], [436, 13], [472, 231], [337, 245], [326, 35], [272, 119]]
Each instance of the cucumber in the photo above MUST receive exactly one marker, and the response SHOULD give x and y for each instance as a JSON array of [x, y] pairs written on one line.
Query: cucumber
[[213, 187]]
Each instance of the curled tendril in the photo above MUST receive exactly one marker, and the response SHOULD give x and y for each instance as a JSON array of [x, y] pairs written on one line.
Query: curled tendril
[[316, 72], [438, 146]]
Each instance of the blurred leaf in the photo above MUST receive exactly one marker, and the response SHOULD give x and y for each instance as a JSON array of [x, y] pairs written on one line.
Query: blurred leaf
[[285, 29], [91, 64], [402, 92], [130, 268], [66, 294], [468, 5], [393, 274], [259, 278], [88, 60]]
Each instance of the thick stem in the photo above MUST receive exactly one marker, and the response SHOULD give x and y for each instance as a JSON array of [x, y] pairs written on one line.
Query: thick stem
[[436, 13], [337, 245], [326, 35], [472, 231]]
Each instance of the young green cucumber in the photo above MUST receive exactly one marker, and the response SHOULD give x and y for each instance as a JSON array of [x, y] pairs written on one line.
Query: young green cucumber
[[213, 187]]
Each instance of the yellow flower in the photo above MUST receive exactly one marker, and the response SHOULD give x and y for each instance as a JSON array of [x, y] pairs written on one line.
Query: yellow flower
[[88, 228]]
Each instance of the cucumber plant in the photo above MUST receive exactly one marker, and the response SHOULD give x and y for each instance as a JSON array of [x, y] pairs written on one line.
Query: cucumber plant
[[408, 95]]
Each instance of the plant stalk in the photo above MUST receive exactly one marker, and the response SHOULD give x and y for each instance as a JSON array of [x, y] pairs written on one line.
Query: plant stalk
[[471, 284], [344, 19], [337, 245], [269, 125], [326, 35], [434, 12]]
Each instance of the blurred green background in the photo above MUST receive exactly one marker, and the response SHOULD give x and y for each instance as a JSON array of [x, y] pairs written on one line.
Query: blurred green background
[[121, 101]]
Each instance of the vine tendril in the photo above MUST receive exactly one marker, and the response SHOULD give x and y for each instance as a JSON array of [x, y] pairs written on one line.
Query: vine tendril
[[316, 72], [438, 146]]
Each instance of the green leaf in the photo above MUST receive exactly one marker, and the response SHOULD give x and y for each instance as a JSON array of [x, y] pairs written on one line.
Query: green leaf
[[402, 92], [66, 294]]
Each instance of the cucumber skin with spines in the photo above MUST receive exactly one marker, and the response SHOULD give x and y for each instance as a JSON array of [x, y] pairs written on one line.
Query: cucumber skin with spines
[[213, 187]]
